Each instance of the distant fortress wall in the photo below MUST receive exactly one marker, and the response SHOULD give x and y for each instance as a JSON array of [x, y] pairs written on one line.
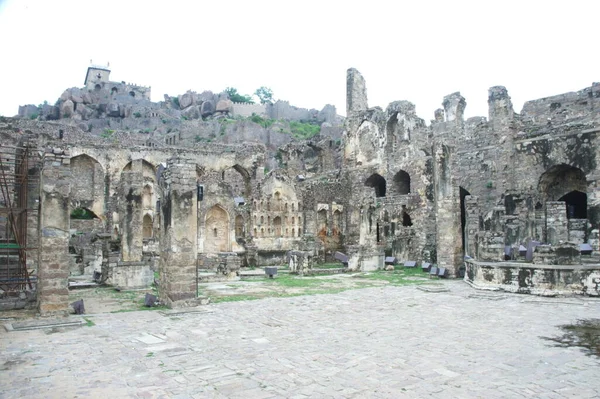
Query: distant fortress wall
[[283, 110], [246, 110]]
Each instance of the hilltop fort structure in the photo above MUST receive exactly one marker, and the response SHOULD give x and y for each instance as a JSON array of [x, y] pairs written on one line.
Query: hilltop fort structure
[[110, 185]]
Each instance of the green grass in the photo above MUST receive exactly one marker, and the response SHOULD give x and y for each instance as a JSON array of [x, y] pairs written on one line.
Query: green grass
[[89, 322], [397, 277], [292, 281], [304, 131], [328, 266]]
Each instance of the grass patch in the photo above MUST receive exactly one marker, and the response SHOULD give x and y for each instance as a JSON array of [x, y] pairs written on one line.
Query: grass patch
[[149, 354], [329, 266], [89, 322], [397, 277], [292, 281], [304, 131]]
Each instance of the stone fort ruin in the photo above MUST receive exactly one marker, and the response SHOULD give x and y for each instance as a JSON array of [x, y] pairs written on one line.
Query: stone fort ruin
[[106, 183]]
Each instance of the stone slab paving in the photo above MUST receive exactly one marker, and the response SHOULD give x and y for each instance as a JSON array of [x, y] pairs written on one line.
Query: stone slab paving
[[384, 342]]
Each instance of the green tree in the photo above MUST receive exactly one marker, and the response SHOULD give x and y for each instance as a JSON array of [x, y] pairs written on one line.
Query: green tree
[[264, 94], [237, 97]]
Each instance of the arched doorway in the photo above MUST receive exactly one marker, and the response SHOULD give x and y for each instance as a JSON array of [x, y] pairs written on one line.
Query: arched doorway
[[560, 180], [216, 237], [322, 223], [463, 219], [239, 226], [378, 183], [402, 183], [576, 204], [147, 226], [277, 224]]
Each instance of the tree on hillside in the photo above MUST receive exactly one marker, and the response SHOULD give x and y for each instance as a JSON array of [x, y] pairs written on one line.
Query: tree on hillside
[[264, 94], [237, 97]]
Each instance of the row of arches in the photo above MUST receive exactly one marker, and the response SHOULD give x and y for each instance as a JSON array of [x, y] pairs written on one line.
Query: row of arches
[[276, 206], [278, 231], [277, 219], [378, 183]]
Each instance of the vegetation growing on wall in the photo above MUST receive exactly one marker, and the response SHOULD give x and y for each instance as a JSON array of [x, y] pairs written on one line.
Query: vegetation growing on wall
[[303, 130], [237, 97], [82, 214]]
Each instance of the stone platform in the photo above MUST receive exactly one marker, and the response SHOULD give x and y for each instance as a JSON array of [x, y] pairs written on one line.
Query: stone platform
[[384, 342]]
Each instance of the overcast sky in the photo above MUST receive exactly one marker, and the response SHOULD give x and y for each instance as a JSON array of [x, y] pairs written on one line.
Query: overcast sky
[[415, 50]]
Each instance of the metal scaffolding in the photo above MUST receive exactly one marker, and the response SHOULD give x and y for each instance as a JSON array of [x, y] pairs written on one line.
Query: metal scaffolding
[[19, 200]]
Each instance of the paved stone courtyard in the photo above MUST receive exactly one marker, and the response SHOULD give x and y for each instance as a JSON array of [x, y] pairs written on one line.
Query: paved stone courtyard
[[382, 342]]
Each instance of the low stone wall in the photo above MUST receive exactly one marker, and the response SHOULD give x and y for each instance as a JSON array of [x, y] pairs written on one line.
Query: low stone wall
[[131, 275], [537, 279], [272, 258]]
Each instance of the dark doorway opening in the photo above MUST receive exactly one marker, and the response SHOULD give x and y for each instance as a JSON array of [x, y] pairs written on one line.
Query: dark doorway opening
[[576, 204], [463, 219], [378, 183]]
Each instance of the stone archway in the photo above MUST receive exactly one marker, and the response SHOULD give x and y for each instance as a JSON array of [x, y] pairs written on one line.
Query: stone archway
[[560, 180], [378, 183], [216, 236], [402, 182], [147, 226], [277, 225]]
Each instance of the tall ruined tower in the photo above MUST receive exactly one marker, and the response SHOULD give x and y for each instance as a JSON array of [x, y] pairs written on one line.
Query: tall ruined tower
[[96, 75]]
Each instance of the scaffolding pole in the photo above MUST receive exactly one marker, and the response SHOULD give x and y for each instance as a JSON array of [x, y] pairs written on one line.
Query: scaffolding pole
[[19, 197]]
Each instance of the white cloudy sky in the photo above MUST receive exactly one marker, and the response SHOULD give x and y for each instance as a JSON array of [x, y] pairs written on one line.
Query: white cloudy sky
[[418, 50]]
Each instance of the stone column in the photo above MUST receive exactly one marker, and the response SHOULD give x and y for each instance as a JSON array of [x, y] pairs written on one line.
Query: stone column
[[557, 228], [132, 183], [356, 92], [178, 275], [471, 225], [53, 271], [454, 107], [447, 206]]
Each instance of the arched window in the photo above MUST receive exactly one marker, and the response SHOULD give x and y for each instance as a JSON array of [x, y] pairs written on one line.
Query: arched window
[[378, 184], [277, 224], [147, 226], [239, 226], [402, 182]]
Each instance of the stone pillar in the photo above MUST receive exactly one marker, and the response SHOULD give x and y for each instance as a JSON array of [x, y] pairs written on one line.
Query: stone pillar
[[356, 92], [131, 215], [178, 275], [447, 206], [53, 272], [454, 107], [500, 106], [557, 227], [471, 226]]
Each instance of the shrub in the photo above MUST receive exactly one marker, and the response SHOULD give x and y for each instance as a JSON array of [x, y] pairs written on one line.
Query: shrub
[[137, 114], [304, 131], [266, 123]]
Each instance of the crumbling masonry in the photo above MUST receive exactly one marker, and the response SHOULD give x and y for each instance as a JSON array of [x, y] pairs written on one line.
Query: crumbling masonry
[[125, 187]]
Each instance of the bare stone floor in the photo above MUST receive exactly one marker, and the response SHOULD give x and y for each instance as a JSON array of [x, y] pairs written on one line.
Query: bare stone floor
[[382, 342]]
